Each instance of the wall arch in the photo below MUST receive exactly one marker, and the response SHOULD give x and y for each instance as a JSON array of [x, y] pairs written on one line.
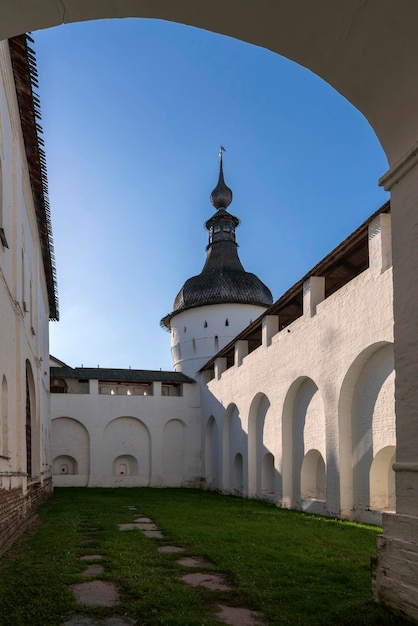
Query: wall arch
[[126, 437], [173, 453], [4, 424], [234, 442], [313, 476], [366, 418], [257, 448], [125, 465], [303, 428], [382, 480], [211, 453], [70, 446], [32, 429]]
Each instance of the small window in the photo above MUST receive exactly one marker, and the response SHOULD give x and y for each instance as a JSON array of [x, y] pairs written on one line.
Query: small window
[[227, 322], [205, 325]]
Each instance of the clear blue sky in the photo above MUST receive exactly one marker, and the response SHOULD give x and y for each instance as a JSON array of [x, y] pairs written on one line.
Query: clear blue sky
[[134, 112]]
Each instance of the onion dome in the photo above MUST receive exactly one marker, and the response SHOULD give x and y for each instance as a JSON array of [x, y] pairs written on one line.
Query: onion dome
[[223, 279]]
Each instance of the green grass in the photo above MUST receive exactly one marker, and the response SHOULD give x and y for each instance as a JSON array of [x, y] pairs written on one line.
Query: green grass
[[295, 568]]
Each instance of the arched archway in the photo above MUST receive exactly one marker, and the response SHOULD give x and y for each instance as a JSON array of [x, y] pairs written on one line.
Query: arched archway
[[4, 424]]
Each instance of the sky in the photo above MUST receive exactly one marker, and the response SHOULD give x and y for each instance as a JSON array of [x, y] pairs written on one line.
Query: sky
[[134, 112]]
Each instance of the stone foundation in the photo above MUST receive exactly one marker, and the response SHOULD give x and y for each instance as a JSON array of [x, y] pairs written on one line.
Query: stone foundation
[[17, 508], [395, 571]]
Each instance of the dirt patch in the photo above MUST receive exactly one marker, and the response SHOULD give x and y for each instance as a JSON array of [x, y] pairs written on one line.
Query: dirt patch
[[214, 582], [96, 593], [237, 616]]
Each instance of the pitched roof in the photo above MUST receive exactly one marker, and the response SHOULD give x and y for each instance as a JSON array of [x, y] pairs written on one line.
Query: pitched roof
[[110, 374], [25, 77]]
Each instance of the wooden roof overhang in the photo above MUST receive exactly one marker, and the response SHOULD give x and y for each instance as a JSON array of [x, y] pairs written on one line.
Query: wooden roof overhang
[[26, 81]]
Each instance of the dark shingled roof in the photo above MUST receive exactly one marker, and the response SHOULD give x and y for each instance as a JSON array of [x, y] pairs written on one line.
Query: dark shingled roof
[[101, 373], [223, 279]]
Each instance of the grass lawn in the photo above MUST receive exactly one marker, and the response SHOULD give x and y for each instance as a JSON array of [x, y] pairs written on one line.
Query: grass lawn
[[295, 568]]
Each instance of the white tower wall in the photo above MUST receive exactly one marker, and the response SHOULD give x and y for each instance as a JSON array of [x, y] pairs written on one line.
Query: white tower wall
[[199, 333]]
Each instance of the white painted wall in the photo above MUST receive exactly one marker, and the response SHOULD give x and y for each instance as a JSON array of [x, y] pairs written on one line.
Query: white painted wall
[[199, 333], [154, 440], [24, 310], [324, 387]]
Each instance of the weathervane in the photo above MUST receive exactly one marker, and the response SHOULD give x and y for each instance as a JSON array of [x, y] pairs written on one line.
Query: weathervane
[[221, 150]]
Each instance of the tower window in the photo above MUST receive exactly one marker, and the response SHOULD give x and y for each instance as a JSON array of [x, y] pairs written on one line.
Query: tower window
[[205, 325], [226, 322]]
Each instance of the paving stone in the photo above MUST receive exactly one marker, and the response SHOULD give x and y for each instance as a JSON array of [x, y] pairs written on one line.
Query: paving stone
[[91, 557], [153, 534], [143, 526], [83, 620], [170, 549], [129, 526], [194, 561], [237, 616], [93, 570], [143, 520], [214, 582], [96, 593], [132, 508]]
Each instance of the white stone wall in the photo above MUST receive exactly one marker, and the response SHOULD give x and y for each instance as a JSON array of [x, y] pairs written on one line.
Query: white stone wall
[[199, 333], [24, 310], [327, 388], [102, 440]]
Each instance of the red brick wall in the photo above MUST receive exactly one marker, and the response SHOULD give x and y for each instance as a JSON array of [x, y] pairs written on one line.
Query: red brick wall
[[17, 509]]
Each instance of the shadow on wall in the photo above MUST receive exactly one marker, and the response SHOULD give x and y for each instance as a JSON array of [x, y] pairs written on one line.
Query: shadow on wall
[[355, 480]]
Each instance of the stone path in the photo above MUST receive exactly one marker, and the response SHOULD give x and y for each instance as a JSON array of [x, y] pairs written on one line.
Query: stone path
[[102, 593]]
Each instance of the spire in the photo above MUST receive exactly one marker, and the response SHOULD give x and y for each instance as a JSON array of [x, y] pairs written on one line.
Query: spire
[[221, 196], [223, 278]]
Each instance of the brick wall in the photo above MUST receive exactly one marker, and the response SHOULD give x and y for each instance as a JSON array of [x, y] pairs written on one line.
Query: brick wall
[[17, 509]]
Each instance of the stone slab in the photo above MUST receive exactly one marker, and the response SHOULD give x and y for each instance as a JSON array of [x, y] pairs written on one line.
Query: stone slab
[[153, 534], [91, 557], [170, 549], [93, 570], [83, 620], [96, 593], [143, 520], [237, 616], [194, 561], [214, 582]]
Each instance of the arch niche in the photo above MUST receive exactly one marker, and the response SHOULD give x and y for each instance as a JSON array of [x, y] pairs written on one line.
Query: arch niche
[[234, 452], [126, 441], [367, 426], [303, 432], [212, 454], [260, 446], [70, 447], [173, 453]]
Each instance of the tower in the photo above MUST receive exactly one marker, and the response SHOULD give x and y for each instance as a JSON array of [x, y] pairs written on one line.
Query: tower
[[214, 306]]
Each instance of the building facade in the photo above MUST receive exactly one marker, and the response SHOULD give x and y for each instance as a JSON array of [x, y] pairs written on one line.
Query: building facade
[[27, 296]]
